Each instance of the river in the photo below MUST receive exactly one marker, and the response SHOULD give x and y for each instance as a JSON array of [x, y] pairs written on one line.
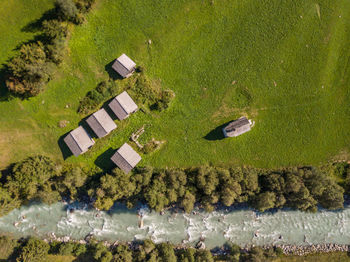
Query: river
[[241, 225]]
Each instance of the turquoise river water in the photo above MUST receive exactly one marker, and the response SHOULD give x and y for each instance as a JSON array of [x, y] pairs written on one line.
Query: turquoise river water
[[241, 226]]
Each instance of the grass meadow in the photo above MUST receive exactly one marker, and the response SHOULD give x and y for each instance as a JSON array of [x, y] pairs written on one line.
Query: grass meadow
[[284, 64]]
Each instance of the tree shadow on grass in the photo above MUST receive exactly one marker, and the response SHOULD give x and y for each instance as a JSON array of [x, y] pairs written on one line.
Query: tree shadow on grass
[[63, 146], [36, 25], [216, 134], [112, 74], [104, 161], [4, 93]]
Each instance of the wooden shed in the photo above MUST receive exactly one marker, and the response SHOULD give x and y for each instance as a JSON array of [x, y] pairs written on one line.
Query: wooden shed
[[101, 123], [124, 66], [79, 141], [123, 105], [126, 158], [237, 127]]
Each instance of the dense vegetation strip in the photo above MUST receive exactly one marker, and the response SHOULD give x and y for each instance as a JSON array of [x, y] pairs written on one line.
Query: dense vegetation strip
[[304, 188], [29, 72], [33, 249]]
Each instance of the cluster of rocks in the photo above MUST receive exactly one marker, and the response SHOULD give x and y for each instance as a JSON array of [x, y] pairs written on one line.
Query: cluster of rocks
[[310, 249]]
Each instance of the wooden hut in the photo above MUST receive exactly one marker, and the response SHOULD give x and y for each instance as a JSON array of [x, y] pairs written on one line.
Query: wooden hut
[[126, 158], [124, 66], [101, 123], [237, 127], [79, 141], [123, 105]]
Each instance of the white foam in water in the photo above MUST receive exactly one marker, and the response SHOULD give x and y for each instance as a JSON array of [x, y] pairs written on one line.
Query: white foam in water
[[243, 227]]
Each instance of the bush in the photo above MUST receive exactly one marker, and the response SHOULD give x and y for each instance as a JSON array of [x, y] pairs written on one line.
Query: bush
[[67, 10], [54, 29], [84, 5], [104, 91]]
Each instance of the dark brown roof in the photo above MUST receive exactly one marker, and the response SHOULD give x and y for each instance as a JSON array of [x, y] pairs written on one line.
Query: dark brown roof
[[237, 127]]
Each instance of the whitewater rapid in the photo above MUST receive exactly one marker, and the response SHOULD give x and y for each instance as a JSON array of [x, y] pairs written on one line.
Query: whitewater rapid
[[241, 226]]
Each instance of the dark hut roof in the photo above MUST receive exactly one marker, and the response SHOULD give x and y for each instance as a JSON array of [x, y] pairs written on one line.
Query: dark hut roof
[[78, 141], [237, 127], [123, 105], [126, 158], [101, 123], [123, 65]]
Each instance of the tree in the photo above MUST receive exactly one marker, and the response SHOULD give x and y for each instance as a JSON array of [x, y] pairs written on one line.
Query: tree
[[188, 201], [34, 250], [122, 254], [230, 191], [155, 194], [204, 256], [264, 201], [207, 179], [29, 70], [30, 176], [7, 203], [187, 255], [166, 252]]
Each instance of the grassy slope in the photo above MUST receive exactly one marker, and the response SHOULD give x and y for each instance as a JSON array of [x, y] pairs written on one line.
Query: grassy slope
[[280, 56]]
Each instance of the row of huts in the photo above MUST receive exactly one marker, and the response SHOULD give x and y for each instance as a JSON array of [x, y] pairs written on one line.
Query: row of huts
[[79, 141]]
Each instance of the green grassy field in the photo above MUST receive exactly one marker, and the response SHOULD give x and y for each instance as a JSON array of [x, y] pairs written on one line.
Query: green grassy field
[[285, 65]]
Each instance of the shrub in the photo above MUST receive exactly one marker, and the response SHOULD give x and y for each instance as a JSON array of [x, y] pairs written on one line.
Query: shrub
[[54, 29], [67, 11], [84, 5], [104, 91]]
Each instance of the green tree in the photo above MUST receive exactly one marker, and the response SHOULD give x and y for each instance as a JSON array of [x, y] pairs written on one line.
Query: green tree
[[35, 250], [264, 201], [30, 176], [166, 253], [188, 201], [204, 256], [187, 255], [29, 70], [122, 254], [207, 179], [7, 203]]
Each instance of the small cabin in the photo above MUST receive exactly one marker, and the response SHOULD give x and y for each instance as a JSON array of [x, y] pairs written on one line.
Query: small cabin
[[123, 105], [101, 123], [237, 127], [79, 141], [126, 158], [124, 66]]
